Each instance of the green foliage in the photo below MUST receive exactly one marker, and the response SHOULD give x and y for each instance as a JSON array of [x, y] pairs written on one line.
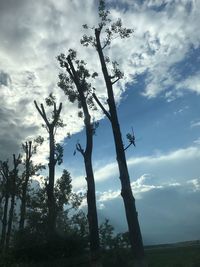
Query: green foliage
[[106, 234], [50, 100], [76, 82], [37, 211], [59, 154], [116, 73], [39, 140], [109, 31], [79, 223], [63, 190]]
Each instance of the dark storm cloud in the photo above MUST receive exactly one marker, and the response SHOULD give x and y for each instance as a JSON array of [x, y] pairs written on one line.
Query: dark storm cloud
[[11, 5], [4, 79], [12, 23], [13, 132]]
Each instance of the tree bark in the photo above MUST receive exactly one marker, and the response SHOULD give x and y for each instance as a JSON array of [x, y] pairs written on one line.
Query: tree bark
[[23, 199], [11, 211], [126, 191], [50, 185], [52, 162], [91, 199], [13, 180], [87, 154], [23, 206], [4, 222], [28, 151]]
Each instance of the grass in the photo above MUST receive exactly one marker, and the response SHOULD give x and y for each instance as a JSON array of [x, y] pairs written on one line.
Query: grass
[[172, 256], [188, 256]]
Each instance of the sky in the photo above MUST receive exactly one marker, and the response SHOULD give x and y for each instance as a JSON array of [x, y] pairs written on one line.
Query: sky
[[158, 98]]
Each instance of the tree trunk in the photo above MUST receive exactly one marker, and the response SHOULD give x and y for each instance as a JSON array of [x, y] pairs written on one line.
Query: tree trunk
[[50, 186], [91, 194], [126, 191], [4, 222], [11, 214], [92, 212], [23, 200], [51, 128], [91, 197]]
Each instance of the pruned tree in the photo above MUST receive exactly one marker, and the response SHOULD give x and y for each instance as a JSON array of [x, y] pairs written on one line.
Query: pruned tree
[[101, 39], [29, 149], [74, 82], [55, 156], [5, 194], [13, 192]]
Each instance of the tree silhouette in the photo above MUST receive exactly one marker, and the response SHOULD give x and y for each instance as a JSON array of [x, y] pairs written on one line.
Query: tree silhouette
[[28, 152], [13, 191], [74, 82], [103, 35], [30, 169], [5, 194], [55, 156]]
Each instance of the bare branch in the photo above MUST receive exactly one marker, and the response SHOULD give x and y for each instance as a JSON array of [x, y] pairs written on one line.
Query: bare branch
[[59, 109], [116, 80], [30, 148], [106, 44], [54, 108], [127, 146], [42, 113], [80, 149], [101, 106], [73, 72]]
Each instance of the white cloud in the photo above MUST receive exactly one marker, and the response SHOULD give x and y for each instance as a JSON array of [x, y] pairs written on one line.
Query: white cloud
[[197, 141], [139, 186], [167, 213], [195, 124], [195, 184], [108, 195], [148, 173], [29, 49], [191, 83]]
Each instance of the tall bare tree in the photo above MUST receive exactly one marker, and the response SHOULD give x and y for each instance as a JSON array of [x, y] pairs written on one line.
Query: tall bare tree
[[55, 156], [102, 37], [74, 82]]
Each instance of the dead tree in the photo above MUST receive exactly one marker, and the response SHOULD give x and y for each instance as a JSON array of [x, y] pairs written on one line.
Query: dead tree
[[74, 84], [100, 42], [53, 159]]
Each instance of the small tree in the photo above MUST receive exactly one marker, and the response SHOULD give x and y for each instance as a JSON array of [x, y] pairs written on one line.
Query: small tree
[[103, 35], [66, 200], [76, 86], [55, 156], [106, 234]]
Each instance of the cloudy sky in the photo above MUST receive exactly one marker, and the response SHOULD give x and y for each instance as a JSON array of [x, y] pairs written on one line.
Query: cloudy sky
[[159, 98]]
